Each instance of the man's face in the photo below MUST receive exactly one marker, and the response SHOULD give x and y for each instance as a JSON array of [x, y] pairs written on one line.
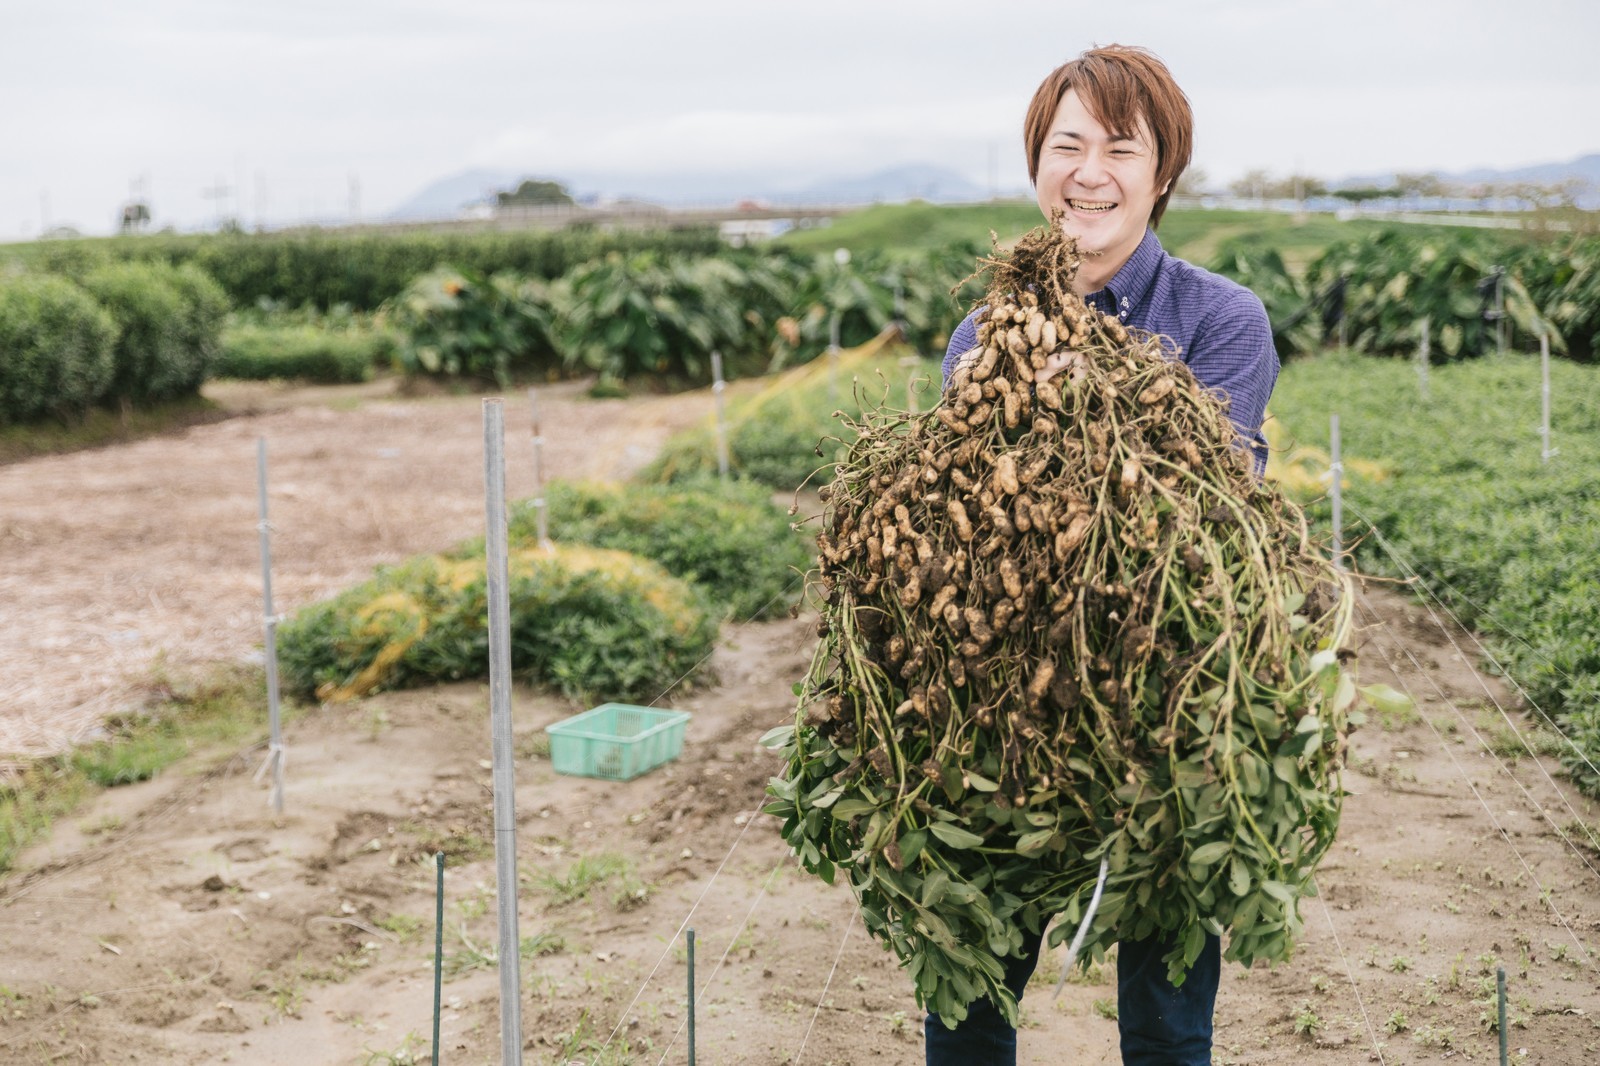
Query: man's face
[[1104, 180]]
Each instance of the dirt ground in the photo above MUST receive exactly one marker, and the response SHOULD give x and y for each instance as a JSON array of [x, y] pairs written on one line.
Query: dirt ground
[[178, 921]]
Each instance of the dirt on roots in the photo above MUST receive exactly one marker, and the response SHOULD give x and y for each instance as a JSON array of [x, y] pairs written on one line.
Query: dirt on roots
[[178, 921]]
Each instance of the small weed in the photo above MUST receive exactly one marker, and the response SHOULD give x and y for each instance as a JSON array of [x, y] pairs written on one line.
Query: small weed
[[899, 1024], [412, 1051], [583, 876], [1397, 1023], [534, 746], [1319, 984], [405, 926], [1105, 1008], [1399, 964], [108, 824], [1441, 1037], [1307, 1022]]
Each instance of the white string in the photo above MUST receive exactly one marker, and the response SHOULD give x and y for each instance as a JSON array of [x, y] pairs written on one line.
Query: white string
[[705, 989], [1504, 768], [682, 926], [749, 821], [1350, 972], [713, 651], [1411, 572], [849, 925], [1544, 896], [1083, 928]]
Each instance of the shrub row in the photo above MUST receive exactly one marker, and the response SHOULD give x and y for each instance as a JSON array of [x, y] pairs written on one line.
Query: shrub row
[[358, 270], [787, 433], [593, 623], [305, 352], [730, 540], [129, 334], [589, 616], [1510, 542]]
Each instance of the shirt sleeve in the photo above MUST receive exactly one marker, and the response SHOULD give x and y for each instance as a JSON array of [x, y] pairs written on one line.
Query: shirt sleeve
[[962, 341], [1232, 354]]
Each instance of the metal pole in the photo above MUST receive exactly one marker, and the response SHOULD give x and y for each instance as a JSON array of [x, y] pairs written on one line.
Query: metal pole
[[717, 385], [1336, 473], [1500, 998], [691, 997], [438, 952], [539, 507], [1500, 309], [833, 358], [505, 814], [270, 627], [1424, 354], [1544, 372]]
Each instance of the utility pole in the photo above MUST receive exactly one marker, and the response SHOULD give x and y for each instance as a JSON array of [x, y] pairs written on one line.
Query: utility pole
[[218, 194]]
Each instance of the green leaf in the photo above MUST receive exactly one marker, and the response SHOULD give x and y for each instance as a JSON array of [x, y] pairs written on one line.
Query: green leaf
[[1034, 843], [773, 739], [955, 836], [981, 783], [1386, 700], [1207, 854]]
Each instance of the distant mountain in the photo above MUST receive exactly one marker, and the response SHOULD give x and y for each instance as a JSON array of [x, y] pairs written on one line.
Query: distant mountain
[[1585, 167], [914, 182], [448, 197], [451, 196]]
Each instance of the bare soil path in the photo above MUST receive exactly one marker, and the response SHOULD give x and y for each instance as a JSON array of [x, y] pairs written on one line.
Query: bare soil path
[[178, 922], [112, 557]]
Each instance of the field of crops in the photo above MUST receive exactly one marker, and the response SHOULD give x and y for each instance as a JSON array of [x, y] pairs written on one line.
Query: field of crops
[[162, 910]]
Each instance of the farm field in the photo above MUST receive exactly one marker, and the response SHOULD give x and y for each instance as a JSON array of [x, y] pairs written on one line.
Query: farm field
[[178, 921]]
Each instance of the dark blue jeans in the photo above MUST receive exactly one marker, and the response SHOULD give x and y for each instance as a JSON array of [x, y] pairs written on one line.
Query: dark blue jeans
[[1160, 1025]]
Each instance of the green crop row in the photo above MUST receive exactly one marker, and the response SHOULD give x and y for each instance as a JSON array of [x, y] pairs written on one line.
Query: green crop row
[[1471, 509], [360, 271], [130, 334], [661, 317], [1397, 279]]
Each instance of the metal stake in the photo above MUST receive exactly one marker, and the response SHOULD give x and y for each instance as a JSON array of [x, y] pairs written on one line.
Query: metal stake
[[1500, 996], [1544, 372], [1424, 355], [1500, 309], [438, 953], [691, 997], [833, 358], [505, 814], [717, 386], [270, 628], [1336, 473], [539, 508]]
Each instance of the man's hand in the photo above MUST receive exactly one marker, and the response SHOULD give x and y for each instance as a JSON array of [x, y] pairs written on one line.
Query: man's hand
[[1054, 364]]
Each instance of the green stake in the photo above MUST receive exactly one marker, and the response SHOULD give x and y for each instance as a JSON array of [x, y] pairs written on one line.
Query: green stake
[[438, 952], [691, 997], [1500, 983]]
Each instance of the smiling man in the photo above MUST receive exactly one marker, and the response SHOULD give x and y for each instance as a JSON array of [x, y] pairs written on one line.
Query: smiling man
[[1107, 135]]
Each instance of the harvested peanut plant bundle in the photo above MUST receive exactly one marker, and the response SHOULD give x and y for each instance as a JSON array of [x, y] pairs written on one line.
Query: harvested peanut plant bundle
[[1061, 624]]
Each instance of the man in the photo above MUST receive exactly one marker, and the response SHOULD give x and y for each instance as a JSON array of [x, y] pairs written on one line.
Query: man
[[1107, 136]]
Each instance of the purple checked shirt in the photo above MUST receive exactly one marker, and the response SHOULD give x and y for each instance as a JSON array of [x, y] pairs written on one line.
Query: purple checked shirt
[[1219, 327]]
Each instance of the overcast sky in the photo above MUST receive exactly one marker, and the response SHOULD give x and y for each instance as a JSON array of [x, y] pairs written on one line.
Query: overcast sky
[[287, 101]]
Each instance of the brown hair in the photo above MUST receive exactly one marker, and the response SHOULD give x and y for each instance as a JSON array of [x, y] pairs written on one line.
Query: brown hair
[[1122, 87]]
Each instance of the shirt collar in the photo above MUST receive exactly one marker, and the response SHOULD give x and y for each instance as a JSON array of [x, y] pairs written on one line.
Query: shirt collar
[[1126, 290]]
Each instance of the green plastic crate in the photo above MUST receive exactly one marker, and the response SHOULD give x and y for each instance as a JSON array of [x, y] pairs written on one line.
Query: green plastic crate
[[616, 741]]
